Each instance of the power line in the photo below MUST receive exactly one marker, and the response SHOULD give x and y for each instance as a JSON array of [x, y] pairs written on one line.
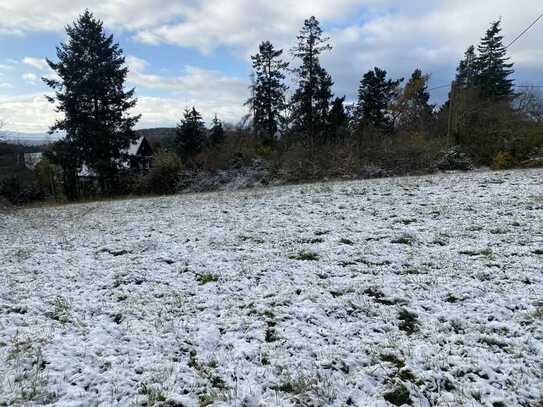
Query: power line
[[516, 86], [518, 37], [439, 87], [525, 31]]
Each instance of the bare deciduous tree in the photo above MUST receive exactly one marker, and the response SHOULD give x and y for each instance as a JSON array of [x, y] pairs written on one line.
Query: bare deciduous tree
[[530, 103]]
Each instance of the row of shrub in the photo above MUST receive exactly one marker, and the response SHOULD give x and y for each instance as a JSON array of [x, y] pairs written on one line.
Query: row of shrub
[[294, 161]]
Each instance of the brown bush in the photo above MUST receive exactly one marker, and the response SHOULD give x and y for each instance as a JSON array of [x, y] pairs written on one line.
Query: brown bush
[[484, 128], [238, 149], [502, 161], [298, 162]]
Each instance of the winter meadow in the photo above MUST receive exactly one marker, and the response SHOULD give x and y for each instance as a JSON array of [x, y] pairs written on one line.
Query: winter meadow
[[382, 247]]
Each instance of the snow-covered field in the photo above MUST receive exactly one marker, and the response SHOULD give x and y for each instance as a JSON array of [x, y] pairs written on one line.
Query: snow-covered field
[[424, 290]]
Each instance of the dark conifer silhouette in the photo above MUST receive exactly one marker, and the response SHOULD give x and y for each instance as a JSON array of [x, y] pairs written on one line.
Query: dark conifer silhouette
[[90, 93]]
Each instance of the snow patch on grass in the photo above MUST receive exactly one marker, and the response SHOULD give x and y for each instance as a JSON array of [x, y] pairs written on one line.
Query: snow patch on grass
[[422, 291]]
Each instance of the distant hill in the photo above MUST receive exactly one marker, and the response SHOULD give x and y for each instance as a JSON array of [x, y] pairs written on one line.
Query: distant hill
[[27, 139], [163, 136]]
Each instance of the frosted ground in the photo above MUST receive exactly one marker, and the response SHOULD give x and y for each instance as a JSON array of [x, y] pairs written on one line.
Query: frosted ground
[[423, 290]]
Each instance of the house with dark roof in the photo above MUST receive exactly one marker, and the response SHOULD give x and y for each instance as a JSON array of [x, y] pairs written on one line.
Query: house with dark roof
[[137, 157], [31, 160]]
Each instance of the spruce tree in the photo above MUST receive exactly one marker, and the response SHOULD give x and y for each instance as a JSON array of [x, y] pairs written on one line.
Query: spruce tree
[[375, 95], [312, 95], [338, 121], [191, 135], [268, 91], [216, 134], [90, 93], [323, 99], [466, 72], [493, 68]]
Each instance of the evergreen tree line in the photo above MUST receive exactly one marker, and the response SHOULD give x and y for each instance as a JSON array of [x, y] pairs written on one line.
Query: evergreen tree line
[[383, 104], [392, 119], [305, 132]]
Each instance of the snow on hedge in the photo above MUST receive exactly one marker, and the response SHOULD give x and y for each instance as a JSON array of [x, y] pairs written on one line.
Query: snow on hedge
[[424, 291]]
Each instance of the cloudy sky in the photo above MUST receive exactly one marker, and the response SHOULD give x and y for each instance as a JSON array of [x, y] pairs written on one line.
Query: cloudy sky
[[196, 52]]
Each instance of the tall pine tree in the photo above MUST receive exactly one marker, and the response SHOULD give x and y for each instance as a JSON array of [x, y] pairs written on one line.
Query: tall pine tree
[[90, 93], [191, 135], [467, 69], [375, 95], [216, 134], [268, 99], [493, 68], [323, 100], [312, 97], [338, 121]]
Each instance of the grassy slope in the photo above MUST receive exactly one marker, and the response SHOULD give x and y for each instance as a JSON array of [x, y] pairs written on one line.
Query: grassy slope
[[422, 289]]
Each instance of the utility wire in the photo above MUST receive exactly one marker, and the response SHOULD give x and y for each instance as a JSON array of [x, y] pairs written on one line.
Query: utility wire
[[439, 87], [518, 37], [516, 86]]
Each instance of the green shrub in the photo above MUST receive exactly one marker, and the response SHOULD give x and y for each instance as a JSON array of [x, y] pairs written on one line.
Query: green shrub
[[45, 176], [535, 137], [529, 146], [399, 396], [19, 192], [409, 322], [207, 278], [164, 175], [264, 151], [306, 256]]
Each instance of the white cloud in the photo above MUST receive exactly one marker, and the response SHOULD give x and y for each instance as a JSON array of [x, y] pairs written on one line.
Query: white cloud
[[38, 63], [11, 32], [209, 24], [5, 67], [30, 77], [193, 80], [396, 35], [34, 114], [375, 31], [41, 65], [28, 113], [204, 24], [167, 111], [210, 91], [433, 36], [136, 64], [21, 16]]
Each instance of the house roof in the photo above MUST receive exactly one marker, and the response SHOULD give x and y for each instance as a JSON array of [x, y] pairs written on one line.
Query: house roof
[[131, 150], [134, 147], [32, 159], [85, 171]]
